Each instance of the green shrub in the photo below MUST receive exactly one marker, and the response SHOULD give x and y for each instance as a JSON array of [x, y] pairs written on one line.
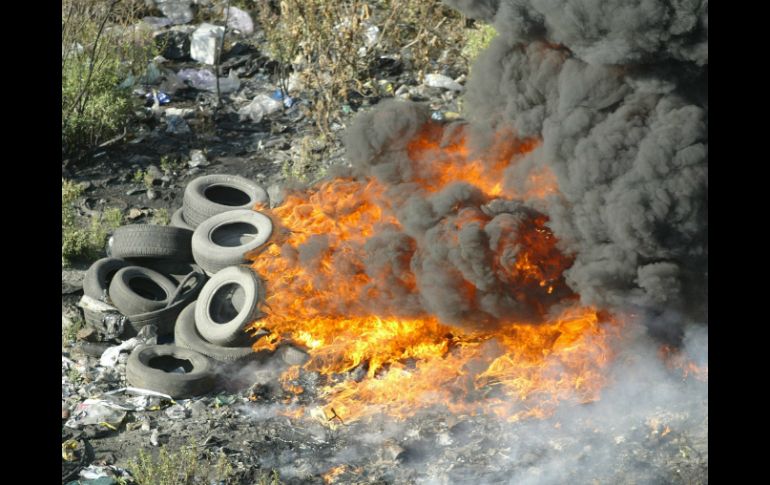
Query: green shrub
[[182, 467], [160, 217], [101, 46], [477, 40]]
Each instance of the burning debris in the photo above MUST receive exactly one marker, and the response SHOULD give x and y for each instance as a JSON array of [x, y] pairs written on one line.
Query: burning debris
[[518, 296]]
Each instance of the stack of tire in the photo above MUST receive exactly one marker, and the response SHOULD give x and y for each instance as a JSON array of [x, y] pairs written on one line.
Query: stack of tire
[[188, 280]]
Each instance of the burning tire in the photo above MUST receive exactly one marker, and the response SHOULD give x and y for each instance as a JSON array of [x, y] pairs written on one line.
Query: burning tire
[[227, 304], [177, 220], [151, 241], [186, 335], [225, 239], [210, 195], [155, 367]]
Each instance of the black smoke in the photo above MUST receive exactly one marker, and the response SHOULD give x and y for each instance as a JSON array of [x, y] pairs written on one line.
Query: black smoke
[[617, 93]]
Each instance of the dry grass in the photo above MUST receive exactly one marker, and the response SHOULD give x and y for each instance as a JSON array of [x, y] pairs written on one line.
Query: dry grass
[[331, 46]]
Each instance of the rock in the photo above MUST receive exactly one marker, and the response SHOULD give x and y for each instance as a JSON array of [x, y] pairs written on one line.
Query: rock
[[175, 43], [205, 43], [152, 194], [137, 190], [239, 20], [135, 213], [71, 281], [178, 11], [197, 159]]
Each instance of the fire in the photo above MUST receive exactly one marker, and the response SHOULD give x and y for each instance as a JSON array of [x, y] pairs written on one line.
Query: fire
[[678, 360], [333, 473], [375, 357], [438, 164]]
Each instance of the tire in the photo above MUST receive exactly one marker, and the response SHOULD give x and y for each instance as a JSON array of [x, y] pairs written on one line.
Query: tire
[[148, 367], [96, 282], [220, 315], [135, 290], [210, 195], [173, 270], [186, 335], [151, 241], [216, 243], [177, 220], [165, 319]]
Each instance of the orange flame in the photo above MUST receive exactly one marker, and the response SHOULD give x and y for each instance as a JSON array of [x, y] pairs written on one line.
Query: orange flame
[[376, 361], [678, 360]]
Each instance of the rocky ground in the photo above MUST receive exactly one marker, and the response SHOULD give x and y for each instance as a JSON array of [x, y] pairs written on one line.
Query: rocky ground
[[146, 171]]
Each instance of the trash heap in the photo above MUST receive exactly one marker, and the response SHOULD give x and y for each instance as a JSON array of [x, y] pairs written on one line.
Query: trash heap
[[184, 282]]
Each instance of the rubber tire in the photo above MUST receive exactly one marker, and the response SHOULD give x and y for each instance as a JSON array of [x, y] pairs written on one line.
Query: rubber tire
[[186, 335], [151, 241], [197, 207], [177, 220], [199, 381], [211, 256], [96, 282], [128, 301], [227, 334], [173, 270], [164, 319]]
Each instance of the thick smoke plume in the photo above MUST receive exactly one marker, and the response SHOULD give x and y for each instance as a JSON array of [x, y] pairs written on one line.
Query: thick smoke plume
[[616, 93]]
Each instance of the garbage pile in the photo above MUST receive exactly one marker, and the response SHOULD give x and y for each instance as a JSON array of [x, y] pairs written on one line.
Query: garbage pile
[[184, 281]]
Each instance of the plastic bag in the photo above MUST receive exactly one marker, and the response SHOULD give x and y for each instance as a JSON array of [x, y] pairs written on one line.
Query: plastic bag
[[260, 106]]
